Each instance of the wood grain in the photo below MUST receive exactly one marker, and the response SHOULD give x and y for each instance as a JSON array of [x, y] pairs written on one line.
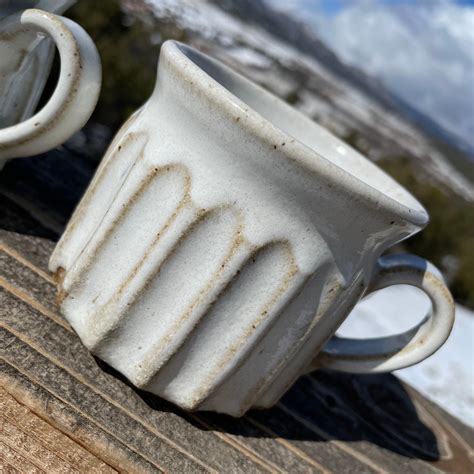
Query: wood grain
[[40, 444], [64, 411]]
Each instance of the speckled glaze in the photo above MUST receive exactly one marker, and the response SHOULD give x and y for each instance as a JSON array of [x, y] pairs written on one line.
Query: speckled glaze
[[25, 59], [225, 238]]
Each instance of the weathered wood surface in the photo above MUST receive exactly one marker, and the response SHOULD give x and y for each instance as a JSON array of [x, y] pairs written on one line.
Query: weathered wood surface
[[30, 443], [64, 410]]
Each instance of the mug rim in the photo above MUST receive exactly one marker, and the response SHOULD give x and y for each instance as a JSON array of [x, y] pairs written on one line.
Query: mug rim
[[183, 59]]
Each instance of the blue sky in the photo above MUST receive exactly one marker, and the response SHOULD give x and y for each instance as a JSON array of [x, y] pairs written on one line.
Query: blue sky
[[423, 50], [330, 7]]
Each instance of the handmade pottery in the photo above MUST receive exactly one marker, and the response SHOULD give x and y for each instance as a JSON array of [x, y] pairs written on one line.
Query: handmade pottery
[[23, 78], [225, 238], [26, 39]]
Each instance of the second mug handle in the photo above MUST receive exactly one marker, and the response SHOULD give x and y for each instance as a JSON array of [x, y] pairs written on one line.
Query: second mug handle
[[74, 98], [385, 354]]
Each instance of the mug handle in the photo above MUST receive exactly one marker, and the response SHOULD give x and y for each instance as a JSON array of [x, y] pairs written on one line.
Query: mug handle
[[76, 93], [385, 354]]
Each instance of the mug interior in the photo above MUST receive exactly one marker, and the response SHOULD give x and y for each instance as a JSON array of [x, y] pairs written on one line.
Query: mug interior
[[308, 133]]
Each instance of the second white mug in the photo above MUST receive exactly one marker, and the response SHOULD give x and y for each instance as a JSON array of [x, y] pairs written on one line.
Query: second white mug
[[22, 72]]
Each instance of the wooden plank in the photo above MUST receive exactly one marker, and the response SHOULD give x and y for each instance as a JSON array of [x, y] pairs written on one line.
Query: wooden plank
[[327, 423], [12, 461], [34, 250], [58, 414], [44, 438]]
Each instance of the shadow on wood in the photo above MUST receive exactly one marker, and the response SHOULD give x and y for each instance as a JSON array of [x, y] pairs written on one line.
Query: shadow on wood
[[330, 406]]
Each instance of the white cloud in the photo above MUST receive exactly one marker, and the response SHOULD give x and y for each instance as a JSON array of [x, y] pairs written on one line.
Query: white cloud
[[423, 50]]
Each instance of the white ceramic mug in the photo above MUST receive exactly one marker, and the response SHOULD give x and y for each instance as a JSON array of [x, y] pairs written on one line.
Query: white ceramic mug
[[226, 237], [24, 65]]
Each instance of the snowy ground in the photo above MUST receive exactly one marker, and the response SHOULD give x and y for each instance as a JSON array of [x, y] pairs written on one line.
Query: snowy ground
[[447, 377]]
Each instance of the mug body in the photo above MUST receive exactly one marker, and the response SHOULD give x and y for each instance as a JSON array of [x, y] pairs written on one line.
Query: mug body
[[223, 240]]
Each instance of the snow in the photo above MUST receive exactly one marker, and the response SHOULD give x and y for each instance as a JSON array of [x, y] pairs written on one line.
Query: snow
[[250, 57], [447, 377]]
